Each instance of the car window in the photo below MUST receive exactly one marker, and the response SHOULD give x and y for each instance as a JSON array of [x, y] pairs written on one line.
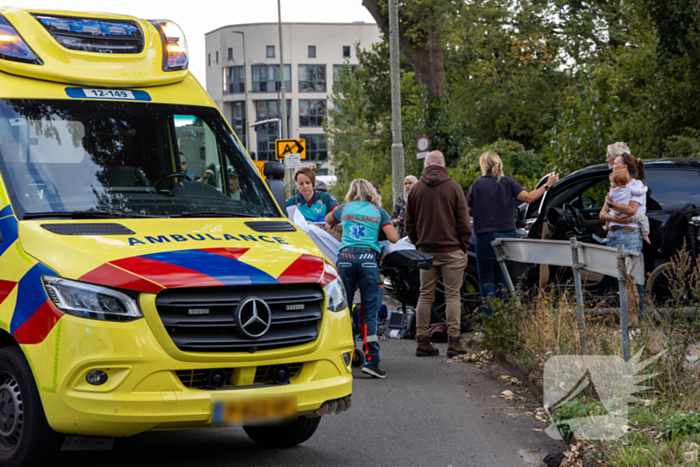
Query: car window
[[594, 196], [63, 156], [672, 189]]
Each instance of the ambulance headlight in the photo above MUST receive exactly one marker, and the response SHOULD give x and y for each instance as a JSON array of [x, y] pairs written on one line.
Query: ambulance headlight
[[175, 52], [336, 299], [13, 47], [90, 301]]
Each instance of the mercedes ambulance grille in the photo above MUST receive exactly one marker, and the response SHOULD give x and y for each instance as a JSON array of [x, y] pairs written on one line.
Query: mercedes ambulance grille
[[198, 379], [218, 331], [94, 35]]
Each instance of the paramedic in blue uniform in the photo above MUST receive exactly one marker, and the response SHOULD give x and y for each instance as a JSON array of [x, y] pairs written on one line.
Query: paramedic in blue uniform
[[314, 205], [363, 218]]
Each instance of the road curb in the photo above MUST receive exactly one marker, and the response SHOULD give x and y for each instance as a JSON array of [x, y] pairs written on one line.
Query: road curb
[[515, 367]]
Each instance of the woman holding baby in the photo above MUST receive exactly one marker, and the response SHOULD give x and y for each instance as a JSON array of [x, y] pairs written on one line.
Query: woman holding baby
[[626, 204]]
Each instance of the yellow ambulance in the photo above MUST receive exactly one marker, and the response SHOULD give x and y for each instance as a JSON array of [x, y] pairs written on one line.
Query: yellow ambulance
[[148, 278]]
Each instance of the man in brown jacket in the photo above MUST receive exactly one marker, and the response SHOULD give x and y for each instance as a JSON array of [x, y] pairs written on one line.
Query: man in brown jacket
[[437, 222]]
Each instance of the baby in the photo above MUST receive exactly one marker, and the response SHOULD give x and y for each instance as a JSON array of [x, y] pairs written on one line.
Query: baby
[[621, 192]]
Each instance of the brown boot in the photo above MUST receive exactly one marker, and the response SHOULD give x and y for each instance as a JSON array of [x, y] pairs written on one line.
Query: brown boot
[[425, 347], [454, 347]]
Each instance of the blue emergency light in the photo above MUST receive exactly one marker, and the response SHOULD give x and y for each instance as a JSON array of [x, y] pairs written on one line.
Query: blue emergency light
[[94, 35]]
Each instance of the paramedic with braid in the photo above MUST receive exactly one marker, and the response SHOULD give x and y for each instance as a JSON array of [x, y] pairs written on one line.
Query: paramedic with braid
[[363, 218]]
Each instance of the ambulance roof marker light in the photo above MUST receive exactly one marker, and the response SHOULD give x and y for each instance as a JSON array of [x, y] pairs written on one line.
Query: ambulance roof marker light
[[175, 52], [13, 47]]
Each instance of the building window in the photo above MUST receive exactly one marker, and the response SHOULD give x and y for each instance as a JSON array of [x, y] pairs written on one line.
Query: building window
[[316, 149], [312, 51], [217, 56], [234, 80], [270, 51], [239, 121], [346, 51], [311, 112], [312, 78], [209, 59], [266, 78], [336, 68], [268, 132], [230, 53]]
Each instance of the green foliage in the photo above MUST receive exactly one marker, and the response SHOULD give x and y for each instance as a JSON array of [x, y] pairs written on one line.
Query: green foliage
[[546, 84], [585, 120], [356, 122], [576, 408], [681, 424], [524, 165]]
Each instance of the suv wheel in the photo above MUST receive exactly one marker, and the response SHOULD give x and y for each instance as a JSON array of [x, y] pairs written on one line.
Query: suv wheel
[[283, 435], [25, 435]]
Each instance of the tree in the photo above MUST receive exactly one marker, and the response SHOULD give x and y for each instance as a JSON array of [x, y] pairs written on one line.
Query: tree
[[357, 122], [420, 34]]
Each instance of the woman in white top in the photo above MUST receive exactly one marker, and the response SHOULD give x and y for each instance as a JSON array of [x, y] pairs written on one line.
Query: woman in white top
[[623, 230]]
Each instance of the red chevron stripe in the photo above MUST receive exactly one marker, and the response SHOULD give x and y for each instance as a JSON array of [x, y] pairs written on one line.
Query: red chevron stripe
[[39, 325], [165, 274], [113, 276], [306, 268], [6, 287], [329, 273], [233, 253]]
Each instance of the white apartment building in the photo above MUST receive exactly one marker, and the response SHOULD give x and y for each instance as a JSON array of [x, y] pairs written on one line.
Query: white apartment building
[[313, 52]]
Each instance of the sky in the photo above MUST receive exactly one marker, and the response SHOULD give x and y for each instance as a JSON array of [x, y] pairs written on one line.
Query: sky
[[197, 18]]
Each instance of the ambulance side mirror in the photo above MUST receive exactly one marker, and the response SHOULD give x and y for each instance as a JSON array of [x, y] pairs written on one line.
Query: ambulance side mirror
[[274, 170], [274, 174]]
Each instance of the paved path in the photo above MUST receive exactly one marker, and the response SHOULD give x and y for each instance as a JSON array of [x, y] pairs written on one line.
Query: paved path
[[427, 412]]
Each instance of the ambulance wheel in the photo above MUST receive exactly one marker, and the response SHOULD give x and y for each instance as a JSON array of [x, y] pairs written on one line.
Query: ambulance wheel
[[358, 358], [25, 435], [283, 435]]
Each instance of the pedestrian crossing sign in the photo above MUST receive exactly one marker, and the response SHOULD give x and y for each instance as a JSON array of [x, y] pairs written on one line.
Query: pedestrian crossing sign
[[290, 146]]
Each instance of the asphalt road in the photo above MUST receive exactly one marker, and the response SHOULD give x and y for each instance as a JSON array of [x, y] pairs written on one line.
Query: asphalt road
[[427, 412]]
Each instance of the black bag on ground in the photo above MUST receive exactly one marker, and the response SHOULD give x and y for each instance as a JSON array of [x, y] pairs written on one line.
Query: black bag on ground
[[408, 260], [678, 229], [437, 332]]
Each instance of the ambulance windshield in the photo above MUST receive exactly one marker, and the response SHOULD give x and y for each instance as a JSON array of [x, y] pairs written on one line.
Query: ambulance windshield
[[62, 158]]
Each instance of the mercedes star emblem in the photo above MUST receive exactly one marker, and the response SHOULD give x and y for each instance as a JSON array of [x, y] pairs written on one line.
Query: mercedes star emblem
[[253, 317]]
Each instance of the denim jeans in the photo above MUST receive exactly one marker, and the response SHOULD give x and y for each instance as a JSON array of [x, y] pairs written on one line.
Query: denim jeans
[[361, 269], [632, 241], [491, 280]]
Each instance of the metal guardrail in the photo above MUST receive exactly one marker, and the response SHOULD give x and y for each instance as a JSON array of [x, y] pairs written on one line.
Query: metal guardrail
[[616, 262]]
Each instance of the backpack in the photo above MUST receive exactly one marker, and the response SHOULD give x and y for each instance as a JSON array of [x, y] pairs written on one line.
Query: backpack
[[678, 229]]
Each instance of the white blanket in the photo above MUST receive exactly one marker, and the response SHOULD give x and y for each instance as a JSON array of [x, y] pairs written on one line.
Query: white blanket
[[329, 246]]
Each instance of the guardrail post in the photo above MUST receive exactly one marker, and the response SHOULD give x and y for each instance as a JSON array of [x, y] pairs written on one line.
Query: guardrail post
[[501, 258], [624, 303], [577, 266]]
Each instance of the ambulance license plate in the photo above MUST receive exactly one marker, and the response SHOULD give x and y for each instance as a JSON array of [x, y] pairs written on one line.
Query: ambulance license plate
[[258, 410]]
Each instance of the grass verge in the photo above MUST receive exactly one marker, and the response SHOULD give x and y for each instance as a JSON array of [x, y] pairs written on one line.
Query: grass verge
[[664, 425]]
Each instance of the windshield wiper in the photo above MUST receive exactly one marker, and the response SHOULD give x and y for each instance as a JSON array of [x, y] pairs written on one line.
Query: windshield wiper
[[86, 215], [215, 214]]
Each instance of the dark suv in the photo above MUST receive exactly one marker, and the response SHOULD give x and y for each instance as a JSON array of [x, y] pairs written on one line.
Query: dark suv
[[572, 206]]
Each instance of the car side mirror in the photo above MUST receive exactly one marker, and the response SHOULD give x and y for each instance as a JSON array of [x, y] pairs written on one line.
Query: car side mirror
[[273, 170]]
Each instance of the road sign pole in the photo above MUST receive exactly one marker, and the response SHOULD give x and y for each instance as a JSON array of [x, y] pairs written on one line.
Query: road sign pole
[[283, 104], [397, 161]]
